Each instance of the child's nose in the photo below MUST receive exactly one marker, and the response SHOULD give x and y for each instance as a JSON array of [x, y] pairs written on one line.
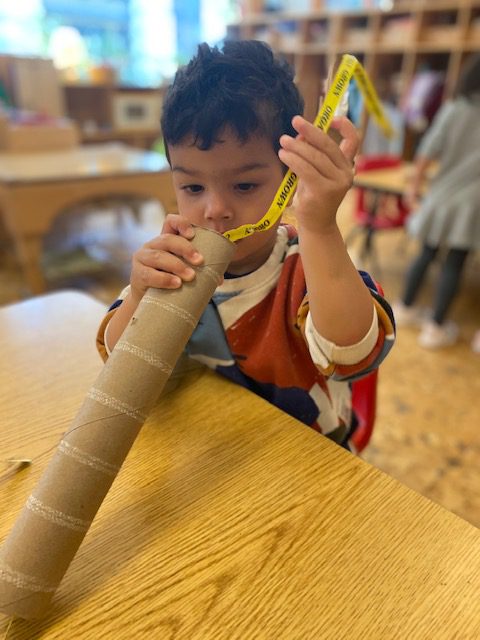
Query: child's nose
[[218, 208]]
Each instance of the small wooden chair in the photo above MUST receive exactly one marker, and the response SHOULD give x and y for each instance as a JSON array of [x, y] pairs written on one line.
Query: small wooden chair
[[374, 211]]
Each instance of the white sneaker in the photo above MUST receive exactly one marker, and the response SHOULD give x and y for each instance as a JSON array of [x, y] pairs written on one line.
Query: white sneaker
[[408, 316], [436, 336]]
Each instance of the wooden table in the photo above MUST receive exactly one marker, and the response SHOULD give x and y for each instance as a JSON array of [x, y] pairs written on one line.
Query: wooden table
[[392, 180], [229, 518], [37, 187]]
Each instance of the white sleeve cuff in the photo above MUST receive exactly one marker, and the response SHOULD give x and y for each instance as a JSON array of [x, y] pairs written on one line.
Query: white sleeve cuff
[[324, 352]]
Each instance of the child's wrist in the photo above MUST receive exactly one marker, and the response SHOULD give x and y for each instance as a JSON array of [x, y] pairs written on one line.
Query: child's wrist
[[326, 231], [135, 297]]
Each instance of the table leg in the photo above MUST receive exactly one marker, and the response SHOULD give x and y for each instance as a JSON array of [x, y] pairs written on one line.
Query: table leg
[[4, 243], [29, 253], [370, 227]]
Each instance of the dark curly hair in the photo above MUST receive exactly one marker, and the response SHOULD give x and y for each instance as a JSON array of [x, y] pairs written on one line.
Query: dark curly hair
[[242, 86]]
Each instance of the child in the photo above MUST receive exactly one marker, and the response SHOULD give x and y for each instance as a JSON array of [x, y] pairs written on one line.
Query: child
[[449, 216], [229, 124]]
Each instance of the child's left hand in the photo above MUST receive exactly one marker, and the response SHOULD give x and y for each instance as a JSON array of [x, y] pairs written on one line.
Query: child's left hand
[[325, 171]]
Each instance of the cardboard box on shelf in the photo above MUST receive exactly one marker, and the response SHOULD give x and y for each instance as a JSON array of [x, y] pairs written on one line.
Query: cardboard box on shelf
[[48, 136]]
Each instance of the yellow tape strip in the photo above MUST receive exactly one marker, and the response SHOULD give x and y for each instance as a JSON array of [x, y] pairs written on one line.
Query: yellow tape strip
[[349, 67]]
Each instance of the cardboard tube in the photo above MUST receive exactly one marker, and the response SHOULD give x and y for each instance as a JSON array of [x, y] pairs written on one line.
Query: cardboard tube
[[61, 508]]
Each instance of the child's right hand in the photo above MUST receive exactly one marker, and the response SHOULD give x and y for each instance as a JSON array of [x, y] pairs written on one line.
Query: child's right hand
[[164, 262]]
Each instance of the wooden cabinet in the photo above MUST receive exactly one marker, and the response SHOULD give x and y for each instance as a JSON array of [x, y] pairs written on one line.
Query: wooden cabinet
[[393, 45], [106, 112]]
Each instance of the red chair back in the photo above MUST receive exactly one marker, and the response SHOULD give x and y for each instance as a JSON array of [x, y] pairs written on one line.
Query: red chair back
[[365, 163], [364, 404]]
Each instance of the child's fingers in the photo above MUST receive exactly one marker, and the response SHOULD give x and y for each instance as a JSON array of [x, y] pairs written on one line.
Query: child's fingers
[[176, 245], [312, 155], [310, 175], [177, 224], [163, 263], [319, 139], [350, 143], [302, 167], [150, 278], [157, 261]]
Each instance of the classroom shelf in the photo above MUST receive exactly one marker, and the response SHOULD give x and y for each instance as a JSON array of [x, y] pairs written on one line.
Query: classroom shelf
[[414, 34]]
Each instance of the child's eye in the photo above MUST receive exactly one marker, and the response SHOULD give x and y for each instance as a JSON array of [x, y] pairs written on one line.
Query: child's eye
[[245, 186], [193, 188]]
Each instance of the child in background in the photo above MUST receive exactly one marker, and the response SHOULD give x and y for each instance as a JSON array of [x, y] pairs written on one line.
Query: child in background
[[293, 320], [448, 218]]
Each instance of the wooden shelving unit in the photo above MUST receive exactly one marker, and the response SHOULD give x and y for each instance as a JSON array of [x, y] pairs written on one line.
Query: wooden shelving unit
[[93, 107], [392, 45], [103, 111]]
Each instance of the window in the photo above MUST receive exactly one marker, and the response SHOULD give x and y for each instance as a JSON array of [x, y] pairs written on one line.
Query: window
[[144, 40], [21, 30]]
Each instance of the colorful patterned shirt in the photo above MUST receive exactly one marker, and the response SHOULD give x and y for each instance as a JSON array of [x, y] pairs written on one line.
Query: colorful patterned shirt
[[257, 331]]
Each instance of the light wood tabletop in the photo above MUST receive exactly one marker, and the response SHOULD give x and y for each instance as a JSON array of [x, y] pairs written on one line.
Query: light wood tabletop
[[35, 188], [391, 180], [229, 519], [89, 161]]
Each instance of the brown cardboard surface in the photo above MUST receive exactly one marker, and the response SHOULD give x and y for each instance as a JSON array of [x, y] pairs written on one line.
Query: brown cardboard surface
[[64, 502]]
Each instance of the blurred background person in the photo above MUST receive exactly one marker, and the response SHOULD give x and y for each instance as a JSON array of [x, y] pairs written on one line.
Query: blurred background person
[[446, 220]]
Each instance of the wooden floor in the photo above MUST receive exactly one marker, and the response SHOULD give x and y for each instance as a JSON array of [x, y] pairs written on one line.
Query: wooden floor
[[427, 432]]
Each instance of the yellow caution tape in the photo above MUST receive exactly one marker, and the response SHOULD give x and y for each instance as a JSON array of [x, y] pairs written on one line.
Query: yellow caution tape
[[349, 67]]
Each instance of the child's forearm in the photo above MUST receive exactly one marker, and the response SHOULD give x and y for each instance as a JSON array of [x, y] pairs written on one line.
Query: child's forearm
[[119, 321], [340, 304]]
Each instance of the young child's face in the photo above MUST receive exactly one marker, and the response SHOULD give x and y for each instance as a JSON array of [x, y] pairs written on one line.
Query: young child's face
[[231, 184]]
